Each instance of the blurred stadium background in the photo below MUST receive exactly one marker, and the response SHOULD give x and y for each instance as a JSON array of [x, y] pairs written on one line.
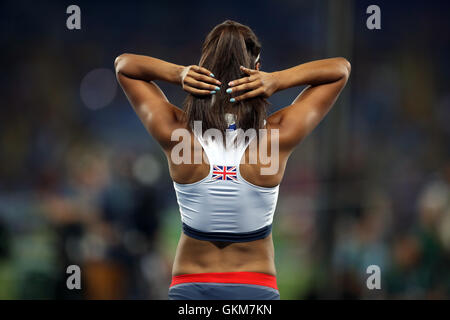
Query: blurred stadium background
[[81, 182]]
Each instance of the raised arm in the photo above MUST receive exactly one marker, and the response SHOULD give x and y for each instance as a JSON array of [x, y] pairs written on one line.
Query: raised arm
[[136, 75], [325, 79]]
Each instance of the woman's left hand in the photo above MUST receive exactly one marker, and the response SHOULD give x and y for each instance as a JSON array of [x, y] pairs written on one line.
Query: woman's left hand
[[198, 80], [258, 83]]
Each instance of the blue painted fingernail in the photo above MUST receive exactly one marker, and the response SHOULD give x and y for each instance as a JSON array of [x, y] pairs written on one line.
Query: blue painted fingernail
[[232, 100], [217, 88], [211, 74], [213, 92], [229, 90]]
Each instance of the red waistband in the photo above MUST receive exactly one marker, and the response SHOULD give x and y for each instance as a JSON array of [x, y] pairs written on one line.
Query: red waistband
[[257, 278]]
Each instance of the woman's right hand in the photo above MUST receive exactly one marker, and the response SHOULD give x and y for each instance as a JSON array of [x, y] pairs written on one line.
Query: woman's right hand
[[258, 83], [198, 81]]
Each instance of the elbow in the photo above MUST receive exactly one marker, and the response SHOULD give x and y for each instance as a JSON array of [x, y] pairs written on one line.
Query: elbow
[[120, 61], [345, 67]]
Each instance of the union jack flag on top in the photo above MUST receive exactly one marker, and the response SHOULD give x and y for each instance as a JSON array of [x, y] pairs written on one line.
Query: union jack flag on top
[[224, 173]]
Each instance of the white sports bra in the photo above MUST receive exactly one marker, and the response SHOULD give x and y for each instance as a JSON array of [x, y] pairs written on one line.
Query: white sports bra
[[223, 206]]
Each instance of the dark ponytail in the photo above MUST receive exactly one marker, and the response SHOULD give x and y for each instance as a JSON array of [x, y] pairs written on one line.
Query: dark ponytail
[[228, 46]]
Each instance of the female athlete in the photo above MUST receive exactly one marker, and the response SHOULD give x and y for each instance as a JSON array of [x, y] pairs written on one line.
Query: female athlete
[[227, 196]]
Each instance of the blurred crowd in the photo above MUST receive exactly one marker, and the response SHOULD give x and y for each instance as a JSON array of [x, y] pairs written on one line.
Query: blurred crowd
[[87, 186]]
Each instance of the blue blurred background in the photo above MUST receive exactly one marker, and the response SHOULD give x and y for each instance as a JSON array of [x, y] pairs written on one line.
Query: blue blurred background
[[81, 182]]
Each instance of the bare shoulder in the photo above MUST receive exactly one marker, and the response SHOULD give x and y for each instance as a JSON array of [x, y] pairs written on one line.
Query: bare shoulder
[[276, 123]]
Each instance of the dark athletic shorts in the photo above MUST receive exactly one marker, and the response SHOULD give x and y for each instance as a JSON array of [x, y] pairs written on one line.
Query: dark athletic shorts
[[224, 286]]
